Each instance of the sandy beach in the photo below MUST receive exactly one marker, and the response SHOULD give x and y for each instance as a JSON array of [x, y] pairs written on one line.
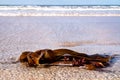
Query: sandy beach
[[90, 35]]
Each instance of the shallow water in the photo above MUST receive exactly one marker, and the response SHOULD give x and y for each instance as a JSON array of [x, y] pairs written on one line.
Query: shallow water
[[97, 30], [86, 34]]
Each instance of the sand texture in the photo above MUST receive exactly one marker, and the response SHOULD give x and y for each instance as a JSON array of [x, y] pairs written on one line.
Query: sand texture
[[90, 35]]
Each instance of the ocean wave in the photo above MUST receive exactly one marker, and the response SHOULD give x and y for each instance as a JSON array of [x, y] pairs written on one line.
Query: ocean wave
[[59, 10]]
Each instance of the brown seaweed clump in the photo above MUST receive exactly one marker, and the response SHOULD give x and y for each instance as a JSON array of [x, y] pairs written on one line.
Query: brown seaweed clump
[[48, 56]]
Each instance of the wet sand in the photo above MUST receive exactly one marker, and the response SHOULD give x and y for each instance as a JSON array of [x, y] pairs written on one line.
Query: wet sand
[[90, 35]]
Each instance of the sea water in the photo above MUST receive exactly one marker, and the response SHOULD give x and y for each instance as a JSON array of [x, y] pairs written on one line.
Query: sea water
[[59, 10], [89, 34]]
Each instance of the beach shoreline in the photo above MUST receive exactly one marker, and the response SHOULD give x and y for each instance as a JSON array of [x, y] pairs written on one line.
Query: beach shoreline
[[87, 34]]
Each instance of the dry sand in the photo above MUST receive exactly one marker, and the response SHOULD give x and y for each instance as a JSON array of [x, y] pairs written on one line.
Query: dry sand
[[83, 34]]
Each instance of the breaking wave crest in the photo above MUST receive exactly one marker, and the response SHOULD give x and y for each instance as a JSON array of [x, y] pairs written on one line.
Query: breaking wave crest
[[59, 10]]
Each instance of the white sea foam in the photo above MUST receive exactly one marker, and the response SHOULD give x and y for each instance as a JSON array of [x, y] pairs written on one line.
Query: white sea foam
[[59, 10]]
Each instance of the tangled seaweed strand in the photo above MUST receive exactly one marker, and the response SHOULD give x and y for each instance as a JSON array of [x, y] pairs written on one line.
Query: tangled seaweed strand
[[48, 56], [89, 64]]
